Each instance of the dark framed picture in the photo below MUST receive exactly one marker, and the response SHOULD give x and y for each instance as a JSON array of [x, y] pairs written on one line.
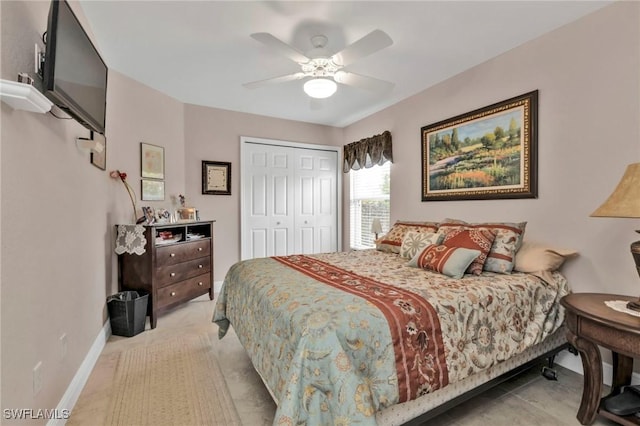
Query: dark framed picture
[[99, 159], [152, 190], [216, 178], [488, 153], [151, 161]]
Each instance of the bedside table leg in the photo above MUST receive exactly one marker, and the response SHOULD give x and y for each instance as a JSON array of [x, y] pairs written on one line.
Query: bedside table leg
[[622, 369], [592, 365]]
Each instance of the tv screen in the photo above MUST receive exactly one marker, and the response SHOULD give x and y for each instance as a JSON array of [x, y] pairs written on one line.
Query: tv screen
[[75, 76]]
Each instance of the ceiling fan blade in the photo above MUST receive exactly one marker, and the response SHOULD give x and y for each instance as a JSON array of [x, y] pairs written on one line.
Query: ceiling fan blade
[[363, 81], [372, 42], [281, 47], [274, 80]]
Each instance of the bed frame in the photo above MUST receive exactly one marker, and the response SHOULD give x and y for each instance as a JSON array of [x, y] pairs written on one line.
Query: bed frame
[[550, 356]]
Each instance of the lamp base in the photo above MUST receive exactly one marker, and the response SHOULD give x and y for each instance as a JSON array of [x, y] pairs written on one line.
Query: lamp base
[[635, 252]]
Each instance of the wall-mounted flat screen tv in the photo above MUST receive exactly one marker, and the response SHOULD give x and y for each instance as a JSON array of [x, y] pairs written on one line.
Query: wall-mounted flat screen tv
[[75, 76]]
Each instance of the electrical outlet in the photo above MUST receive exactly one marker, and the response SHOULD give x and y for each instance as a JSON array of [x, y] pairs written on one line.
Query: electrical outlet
[[37, 378], [63, 346]]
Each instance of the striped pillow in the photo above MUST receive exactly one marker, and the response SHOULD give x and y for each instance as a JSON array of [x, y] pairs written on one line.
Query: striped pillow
[[476, 239], [509, 235], [450, 261]]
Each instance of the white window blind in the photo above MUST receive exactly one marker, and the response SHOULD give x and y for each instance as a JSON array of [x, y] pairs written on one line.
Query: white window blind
[[369, 191]]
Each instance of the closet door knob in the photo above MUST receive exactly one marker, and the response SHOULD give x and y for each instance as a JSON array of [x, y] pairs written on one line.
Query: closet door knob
[[277, 223], [305, 222]]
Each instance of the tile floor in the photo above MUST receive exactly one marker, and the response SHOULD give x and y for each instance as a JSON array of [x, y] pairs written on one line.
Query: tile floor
[[528, 399]]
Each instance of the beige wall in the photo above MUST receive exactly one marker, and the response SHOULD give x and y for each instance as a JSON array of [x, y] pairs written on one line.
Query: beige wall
[[214, 135], [57, 255], [58, 211], [589, 104]]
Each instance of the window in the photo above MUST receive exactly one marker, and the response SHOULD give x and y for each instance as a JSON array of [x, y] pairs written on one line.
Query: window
[[369, 191]]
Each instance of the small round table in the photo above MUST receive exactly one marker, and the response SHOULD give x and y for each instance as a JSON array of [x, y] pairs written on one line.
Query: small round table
[[591, 323]]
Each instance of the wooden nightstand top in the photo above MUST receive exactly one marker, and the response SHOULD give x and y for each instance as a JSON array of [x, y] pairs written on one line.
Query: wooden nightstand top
[[591, 305]]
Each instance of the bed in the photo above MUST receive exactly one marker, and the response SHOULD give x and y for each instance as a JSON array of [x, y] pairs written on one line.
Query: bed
[[360, 337]]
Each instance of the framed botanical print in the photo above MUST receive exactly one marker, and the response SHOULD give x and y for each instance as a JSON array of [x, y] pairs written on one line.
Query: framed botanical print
[[152, 190], [151, 161], [216, 178]]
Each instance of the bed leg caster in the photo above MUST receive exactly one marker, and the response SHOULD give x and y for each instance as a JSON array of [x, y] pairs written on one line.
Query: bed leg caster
[[549, 373]]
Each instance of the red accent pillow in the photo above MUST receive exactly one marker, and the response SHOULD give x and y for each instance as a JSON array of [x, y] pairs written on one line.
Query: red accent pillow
[[476, 239]]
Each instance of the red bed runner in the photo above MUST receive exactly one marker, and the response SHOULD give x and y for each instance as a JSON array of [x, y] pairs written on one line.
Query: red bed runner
[[415, 328]]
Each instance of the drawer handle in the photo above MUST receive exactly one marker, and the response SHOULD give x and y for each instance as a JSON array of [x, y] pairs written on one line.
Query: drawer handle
[[173, 274], [199, 266], [200, 283], [199, 248], [172, 255], [173, 293]]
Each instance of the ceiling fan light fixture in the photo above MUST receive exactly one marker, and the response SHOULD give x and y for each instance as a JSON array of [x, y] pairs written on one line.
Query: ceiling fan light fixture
[[320, 88]]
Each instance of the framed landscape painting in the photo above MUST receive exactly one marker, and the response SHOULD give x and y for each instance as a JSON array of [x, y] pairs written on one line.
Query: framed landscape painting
[[488, 153]]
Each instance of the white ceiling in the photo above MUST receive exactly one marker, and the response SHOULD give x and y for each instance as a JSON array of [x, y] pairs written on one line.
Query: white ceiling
[[200, 52]]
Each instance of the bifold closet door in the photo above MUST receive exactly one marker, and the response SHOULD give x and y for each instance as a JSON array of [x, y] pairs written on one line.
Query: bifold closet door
[[289, 200], [315, 201], [268, 201]]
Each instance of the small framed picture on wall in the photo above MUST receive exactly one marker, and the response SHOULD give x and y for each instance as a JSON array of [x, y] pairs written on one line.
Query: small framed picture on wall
[[152, 190], [216, 178], [151, 161]]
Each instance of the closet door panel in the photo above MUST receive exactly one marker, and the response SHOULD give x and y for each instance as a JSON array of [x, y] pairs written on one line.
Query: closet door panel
[[289, 196]]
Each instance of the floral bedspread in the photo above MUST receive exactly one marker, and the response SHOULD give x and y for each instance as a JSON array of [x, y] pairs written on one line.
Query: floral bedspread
[[339, 336]]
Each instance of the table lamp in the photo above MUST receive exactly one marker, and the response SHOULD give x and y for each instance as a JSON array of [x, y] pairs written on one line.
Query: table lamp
[[376, 227], [624, 201]]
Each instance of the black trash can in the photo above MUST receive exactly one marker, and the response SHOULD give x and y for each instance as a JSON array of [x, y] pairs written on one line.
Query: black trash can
[[127, 312]]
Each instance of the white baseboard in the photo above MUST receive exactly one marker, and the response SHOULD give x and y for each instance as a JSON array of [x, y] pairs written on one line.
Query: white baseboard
[[574, 363], [72, 394]]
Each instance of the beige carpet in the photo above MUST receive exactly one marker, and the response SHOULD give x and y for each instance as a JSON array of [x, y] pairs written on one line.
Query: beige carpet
[[178, 382]]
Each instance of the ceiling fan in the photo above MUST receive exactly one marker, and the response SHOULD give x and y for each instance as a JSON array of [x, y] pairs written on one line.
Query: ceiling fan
[[321, 68]]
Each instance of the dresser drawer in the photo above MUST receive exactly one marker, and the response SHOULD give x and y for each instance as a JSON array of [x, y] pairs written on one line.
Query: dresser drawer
[[170, 274], [184, 290], [177, 253]]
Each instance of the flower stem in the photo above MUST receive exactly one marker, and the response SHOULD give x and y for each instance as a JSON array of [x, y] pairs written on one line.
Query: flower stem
[[132, 196]]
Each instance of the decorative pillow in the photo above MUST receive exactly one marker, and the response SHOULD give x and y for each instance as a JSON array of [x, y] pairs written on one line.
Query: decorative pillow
[[391, 242], [508, 240], [414, 242], [535, 257], [450, 261], [476, 239]]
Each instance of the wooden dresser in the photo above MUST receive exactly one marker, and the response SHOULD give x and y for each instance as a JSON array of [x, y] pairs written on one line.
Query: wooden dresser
[[176, 266]]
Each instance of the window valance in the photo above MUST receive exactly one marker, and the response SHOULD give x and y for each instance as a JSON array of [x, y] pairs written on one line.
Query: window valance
[[367, 152]]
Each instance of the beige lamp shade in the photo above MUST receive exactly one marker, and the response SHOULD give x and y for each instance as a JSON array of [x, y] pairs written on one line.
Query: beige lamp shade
[[376, 226], [625, 199]]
